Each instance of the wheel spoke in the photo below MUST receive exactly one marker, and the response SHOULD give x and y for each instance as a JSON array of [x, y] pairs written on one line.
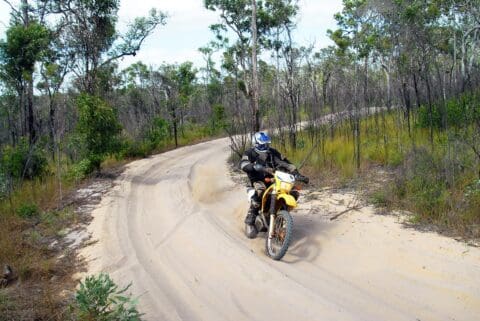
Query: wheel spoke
[[277, 245]]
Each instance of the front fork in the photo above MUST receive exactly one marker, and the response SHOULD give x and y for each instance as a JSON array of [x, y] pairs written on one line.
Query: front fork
[[273, 200]]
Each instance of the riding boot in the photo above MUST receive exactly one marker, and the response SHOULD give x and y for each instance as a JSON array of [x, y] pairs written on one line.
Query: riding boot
[[250, 229]]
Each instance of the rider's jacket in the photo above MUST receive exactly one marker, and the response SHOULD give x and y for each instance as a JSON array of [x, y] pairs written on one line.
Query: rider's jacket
[[271, 158]]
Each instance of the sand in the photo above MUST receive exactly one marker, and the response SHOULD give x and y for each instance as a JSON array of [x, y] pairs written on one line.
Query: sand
[[173, 225]]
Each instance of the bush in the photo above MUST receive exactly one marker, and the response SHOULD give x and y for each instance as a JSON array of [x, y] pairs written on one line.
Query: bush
[[218, 119], [99, 128], [100, 299], [422, 179], [80, 170], [131, 149], [28, 210], [459, 111], [23, 161], [379, 198], [158, 132]]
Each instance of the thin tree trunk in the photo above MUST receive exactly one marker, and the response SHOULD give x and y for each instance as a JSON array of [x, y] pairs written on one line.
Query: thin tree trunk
[[430, 107], [29, 86], [255, 110]]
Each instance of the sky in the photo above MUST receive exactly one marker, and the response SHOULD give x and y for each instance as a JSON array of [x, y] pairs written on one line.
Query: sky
[[187, 27]]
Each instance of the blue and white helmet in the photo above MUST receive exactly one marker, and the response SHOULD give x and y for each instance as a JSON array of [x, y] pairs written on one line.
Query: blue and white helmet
[[261, 141]]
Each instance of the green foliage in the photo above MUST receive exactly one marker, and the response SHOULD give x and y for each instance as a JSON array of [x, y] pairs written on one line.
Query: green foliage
[[100, 299], [99, 129], [237, 15], [218, 119], [457, 112], [438, 183], [155, 137], [93, 36], [28, 210], [422, 181], [25, 46], [132, 149], [158, 132], [23, 161], [184, 78], [379, 198], [138, 30], [472, 198], [80, 170]]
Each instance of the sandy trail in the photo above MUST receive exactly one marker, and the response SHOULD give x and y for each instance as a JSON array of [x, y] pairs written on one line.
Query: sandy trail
[[173, 226]]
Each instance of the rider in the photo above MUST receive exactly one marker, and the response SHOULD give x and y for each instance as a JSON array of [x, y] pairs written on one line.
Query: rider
[[259, 162]]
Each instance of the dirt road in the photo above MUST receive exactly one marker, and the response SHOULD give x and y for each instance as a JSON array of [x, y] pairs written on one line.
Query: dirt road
[[173, 227]]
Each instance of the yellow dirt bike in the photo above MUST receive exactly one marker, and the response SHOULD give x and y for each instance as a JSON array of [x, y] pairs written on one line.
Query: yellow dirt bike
[[274, 215]]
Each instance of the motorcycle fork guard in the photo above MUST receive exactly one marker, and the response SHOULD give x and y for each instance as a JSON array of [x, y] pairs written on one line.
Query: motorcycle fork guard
[[261, 223], [272, 211]]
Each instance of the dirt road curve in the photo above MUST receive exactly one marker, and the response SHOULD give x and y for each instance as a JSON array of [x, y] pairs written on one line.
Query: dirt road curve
[[173, 226]]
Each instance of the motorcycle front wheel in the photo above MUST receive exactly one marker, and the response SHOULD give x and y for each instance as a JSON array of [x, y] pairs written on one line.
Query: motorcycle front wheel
[[277, 246]]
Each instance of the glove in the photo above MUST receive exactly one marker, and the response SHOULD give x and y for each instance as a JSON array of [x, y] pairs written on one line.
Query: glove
[[299, 177], [304, 179], [268, 170], [263, 169]]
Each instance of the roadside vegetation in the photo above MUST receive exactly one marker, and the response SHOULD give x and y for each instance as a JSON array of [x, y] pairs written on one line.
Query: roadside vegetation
[[437, 180]]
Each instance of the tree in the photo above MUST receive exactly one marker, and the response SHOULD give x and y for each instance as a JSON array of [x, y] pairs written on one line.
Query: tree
[[91, 26], [24, 47], [98, 128], [176, 83], [253, 22]]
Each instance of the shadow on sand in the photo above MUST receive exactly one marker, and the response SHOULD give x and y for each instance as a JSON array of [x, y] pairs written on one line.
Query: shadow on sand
[[305, 244]]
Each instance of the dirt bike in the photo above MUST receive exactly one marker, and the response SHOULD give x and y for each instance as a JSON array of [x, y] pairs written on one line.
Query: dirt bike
[[274, 215]]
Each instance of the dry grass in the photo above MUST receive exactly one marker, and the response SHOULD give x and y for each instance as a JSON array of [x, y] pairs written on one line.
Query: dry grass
[[27, 245], [437, 182]]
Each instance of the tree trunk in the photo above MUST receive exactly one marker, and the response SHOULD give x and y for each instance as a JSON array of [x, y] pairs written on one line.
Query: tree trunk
[[417, 95], [29, 87], [408, 105], [430, 107], [52, 125], [255, 110]]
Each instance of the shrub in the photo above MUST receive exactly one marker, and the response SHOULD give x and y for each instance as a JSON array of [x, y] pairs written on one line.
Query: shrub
[[28, 210], [100, 299], [379, 198], [131, 149], [23, 161], [218, 119], [80, 170], [98, 128], [459, 111], [158, 132], [423, 184]]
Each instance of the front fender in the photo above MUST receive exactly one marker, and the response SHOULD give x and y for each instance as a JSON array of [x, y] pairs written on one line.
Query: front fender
[[288, 199]]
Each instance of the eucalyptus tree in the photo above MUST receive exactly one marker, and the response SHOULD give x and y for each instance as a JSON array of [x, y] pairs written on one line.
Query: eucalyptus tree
[[177, 83], [92, 32], [24, 46], [252, 22]]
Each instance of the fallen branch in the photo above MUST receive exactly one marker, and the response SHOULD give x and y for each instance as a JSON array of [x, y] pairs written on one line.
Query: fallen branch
[[355, 208]]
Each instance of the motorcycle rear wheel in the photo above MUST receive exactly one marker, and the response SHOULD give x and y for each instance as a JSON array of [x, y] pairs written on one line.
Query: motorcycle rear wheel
[[277, 246]]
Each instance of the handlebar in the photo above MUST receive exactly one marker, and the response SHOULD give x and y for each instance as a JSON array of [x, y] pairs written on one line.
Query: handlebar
[[298, 178]]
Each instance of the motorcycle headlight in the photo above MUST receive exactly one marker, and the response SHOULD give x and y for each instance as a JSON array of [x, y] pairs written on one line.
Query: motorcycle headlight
[[286, 187]]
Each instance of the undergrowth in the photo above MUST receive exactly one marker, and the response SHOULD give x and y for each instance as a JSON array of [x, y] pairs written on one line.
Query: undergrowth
[[435, 177], [33, 214]]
